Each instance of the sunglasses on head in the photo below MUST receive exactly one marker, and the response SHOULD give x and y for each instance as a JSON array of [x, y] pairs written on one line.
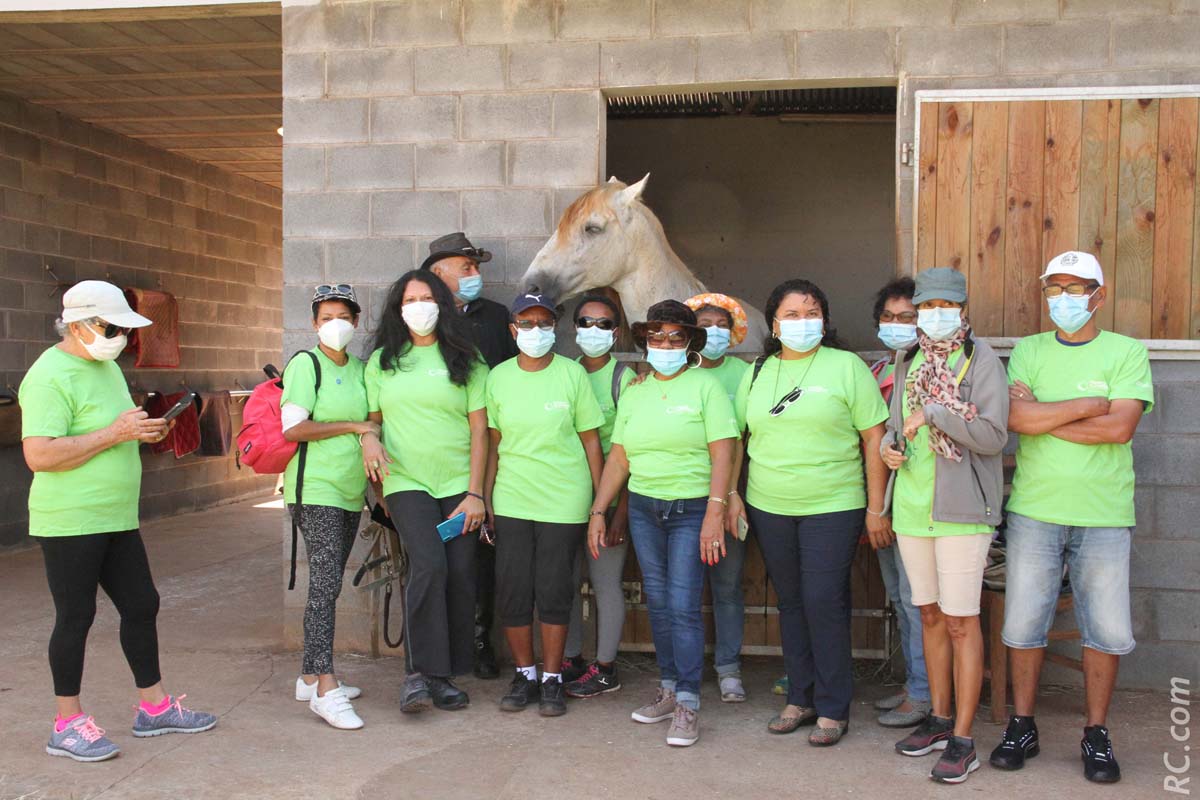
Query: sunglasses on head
[[603, 323], [340, 288]]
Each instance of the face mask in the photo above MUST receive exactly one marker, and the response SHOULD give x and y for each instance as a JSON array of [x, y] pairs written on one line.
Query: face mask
[[897, 335], [939, 323], [420, 317], [593, 341], [336, 334], [717, 342], [801, 335], [535, 342], [469, 288], [103, 349], [1070, 313], [666, 362]]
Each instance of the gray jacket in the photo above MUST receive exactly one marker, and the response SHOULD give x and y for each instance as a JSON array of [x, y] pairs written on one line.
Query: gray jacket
[[971, 490]]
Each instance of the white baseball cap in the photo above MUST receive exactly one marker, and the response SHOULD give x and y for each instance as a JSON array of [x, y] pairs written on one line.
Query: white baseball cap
[[88, 299], [1073, 262]]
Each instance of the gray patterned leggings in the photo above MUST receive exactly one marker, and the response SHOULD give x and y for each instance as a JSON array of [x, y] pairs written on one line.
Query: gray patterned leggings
[[328, 538]]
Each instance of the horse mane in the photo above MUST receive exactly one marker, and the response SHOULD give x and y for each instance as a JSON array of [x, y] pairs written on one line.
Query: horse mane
[[590, 202]]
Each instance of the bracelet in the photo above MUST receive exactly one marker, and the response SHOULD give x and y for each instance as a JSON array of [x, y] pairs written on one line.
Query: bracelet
[[720, 500], [597, 514], [731, 494], [875, 513], [476, 495]]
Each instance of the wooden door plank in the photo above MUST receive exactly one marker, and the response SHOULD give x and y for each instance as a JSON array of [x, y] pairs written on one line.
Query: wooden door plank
[[1194, 328], [953, 230], [926, 222], [1135, 217], [1060, 183], [989, 168], [1023, 227], [1174, 212], [1099, 161]]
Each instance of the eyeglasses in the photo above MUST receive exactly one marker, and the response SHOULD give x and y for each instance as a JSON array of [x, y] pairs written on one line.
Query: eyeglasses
[[603, 323], [110, 330], [673, 340], [786, 401], [1072, 289], [905, 317], [341, 288], [528, 324]]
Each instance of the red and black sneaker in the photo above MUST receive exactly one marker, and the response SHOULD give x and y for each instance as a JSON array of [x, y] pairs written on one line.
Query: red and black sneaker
[[932, 734], [1099, 763], [596, 681], [957, 762], [573, 668]]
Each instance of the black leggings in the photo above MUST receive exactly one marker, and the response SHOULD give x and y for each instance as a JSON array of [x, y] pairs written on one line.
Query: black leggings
[[75, 566]]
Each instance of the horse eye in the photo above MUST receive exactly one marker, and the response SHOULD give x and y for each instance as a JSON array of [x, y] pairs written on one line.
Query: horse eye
[[592, 227]]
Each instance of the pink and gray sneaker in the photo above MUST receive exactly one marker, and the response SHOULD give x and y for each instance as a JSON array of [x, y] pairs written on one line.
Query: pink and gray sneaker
[[83, 740], [173, 719]]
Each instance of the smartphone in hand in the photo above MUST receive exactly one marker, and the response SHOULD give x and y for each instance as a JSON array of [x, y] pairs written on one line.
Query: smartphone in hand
[[174, 411], [453, 526]]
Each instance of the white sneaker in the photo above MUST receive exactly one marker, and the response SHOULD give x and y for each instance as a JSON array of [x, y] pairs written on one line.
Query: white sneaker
[[307, 691], [335, 709]]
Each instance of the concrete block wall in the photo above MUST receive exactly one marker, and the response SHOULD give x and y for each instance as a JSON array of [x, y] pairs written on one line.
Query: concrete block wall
[[79, 202], [409, 118]]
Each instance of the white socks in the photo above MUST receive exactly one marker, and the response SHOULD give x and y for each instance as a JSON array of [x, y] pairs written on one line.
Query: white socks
[[529, 672], [552, 676]]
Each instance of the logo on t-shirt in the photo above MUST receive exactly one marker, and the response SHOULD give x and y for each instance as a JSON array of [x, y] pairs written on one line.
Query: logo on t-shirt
[[438, 373], [557, 405], [1092, 386], [684, 409]]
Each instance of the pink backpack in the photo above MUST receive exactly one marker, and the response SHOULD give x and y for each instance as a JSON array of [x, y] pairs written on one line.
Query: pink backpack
[[260, 442]]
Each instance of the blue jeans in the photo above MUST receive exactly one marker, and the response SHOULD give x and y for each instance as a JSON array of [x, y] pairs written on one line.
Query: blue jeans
[[666, 537], [1097, 560], [899, 592], [729, 607]]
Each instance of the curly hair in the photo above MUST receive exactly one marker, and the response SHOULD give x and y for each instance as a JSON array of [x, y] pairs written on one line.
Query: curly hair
[[395, 339], [771, 344], [904, 287]]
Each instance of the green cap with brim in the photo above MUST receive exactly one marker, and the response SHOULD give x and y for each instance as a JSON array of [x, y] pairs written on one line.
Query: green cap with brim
[[940, 283]]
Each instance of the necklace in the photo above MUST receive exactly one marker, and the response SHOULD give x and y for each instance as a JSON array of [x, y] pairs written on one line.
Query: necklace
[[793, 395]]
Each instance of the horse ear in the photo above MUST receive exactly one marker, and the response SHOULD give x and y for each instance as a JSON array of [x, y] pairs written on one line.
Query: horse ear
[[613, 179], [634, 192]]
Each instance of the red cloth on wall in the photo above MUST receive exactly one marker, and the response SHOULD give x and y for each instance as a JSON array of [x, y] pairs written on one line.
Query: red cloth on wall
[[158, 344]]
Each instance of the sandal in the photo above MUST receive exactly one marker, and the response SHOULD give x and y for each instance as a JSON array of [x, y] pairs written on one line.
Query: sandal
[[827, 737], [781, 724]]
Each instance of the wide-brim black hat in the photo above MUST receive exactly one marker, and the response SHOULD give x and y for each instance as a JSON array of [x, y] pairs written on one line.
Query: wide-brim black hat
[[451, 245]]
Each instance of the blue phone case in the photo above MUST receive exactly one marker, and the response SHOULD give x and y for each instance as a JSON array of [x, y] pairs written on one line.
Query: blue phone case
[[452, 527]]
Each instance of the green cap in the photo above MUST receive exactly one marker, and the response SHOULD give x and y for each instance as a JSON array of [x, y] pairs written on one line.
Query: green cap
[[940, 283]]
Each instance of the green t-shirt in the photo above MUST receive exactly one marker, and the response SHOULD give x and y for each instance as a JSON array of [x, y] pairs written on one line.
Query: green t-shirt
[[808, 459], [729, 374], [64, 395], [333, 468], [666, 427], [542, 473], [601, 381], [912, 495], [1061, 482], [426, 431]]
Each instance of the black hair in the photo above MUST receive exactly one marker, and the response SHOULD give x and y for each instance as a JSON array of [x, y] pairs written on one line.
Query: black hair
[[317, 305], [772, 345], [603, 300], [675, 313], [904, 287], [395, 339], [711, 307]]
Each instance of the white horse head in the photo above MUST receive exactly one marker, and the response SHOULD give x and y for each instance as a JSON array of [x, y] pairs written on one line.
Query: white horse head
[[609, 237]]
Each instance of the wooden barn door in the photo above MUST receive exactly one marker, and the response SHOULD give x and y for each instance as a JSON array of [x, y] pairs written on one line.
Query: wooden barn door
[[1005, 185]]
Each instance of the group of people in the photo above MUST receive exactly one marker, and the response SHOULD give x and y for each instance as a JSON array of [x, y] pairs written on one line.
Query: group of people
[[510, 472]]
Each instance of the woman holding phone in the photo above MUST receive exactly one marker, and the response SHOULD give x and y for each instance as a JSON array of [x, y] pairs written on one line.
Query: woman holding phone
[[425, 387], [330, 420], [673, 443]]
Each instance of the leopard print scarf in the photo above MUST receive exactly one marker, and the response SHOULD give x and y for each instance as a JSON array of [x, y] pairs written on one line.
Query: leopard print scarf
[[933, 382]]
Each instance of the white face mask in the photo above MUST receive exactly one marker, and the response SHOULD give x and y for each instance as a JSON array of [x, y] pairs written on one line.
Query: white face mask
[[103, 349], [421, 317], [336, 334], [535, 342]]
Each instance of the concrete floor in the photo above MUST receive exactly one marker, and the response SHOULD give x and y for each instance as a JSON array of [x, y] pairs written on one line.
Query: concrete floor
[[218, 574]]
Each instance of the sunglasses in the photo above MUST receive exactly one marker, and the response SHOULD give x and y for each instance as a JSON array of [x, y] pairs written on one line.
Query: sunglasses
[[110, 331], [674, 339], [603, 323], [1072, 289], [340, 288], [528, 324], [786, 401]]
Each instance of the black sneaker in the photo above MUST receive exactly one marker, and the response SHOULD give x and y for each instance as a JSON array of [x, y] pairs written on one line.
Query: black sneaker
[[485, 660], [416, 696], [957, 762], [521, 692], [573, 668], [1020, 741], [553, 702], [1099, 763], [446, 695], [932, 734], [597, 680]]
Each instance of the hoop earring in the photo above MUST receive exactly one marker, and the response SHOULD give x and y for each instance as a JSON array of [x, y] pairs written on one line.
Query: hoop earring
[[693, 354]]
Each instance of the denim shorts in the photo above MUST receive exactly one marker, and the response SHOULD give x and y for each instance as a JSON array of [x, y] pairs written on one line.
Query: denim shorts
[[1097, 560]]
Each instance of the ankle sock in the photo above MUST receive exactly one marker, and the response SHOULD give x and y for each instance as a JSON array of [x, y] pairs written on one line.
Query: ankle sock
[[61, 723], [529, 672], [552, 676], [154, 709]]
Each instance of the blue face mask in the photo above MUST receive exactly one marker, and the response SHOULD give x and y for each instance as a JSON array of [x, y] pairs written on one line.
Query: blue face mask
[[667, 362], [717, 343], [897, 335], [801, 335], [1070, 313], [535, 342], [939, 323], [593, 341], [469, 288]]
